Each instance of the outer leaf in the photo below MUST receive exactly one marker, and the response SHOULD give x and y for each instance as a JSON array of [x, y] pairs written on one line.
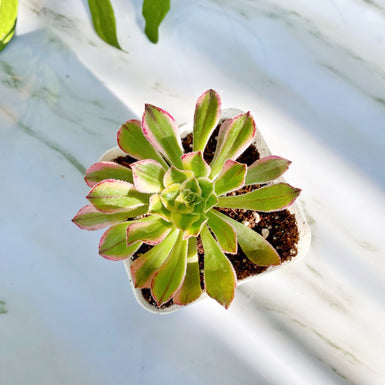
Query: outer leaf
[[266, 169], [144, 268], [220, 278], [88, 218], [111, 196], [269, 198], [191, 287], [233, 139], [148, 176], [151, 230], [194, 161], [113, 244], [132, 141], [8, 18], [171, 274], [232, 177], [224, 232], [256, 248], [103, 19], [154, 12], [207, 112], [160, 129], [107, 170]]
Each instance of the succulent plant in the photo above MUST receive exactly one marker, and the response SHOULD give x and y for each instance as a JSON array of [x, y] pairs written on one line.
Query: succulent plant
[[168, 198]]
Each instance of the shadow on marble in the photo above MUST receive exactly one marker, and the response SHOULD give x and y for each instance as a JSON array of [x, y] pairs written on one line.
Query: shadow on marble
[[51, 96]]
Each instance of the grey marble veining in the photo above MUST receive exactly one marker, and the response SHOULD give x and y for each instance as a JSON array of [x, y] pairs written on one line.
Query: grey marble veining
[[313, 76]]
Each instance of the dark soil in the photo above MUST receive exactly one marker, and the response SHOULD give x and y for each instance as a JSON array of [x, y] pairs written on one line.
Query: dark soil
[[125, 160], [279, 228]]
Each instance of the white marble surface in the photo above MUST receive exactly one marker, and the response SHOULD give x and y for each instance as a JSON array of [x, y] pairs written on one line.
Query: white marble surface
[[313, 75]]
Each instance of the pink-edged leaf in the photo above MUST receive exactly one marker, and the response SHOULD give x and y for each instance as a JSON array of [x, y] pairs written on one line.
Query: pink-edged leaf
[[132, 141], [107, 170], [225, 124], [233, 139], [190, 290], [194, 161], [161, 131], [144, 267], [266, 169], [148, 176], [170, 275], [270, 198], [113, 243], [111, 196], [256, 248], [151, 230], [88, 218], [206, 117], [219, 273], [223, 231], [231, 177]]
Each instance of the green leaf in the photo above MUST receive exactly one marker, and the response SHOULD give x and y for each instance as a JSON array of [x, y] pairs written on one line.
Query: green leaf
[[111, 196], [144, 267], [113, 243], [256, 248], [103, 19], [173, 175], [161, 131], [88, 218], [171, 274], [156, 207], [184, 221], [107, 170], [191, 184], [195, 228], [194, 161], [232, 177], [132, 141], [266, 169], [168, 196], [206, 186], [154, 12], [220, 278], [207, 112], [233, 138], [148, 176], [191, 287], [224, 232], [8, 18], [269, 198], [151, 230], [211, 201]]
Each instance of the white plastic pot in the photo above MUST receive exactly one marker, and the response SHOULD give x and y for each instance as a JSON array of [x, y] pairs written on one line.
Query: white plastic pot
[[303, 244]]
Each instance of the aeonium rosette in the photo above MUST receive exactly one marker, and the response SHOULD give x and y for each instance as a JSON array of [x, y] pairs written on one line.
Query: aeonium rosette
[[167, 199]]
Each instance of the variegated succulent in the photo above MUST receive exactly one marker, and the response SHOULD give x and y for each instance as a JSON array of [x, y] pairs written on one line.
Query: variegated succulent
[[168, 198]]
